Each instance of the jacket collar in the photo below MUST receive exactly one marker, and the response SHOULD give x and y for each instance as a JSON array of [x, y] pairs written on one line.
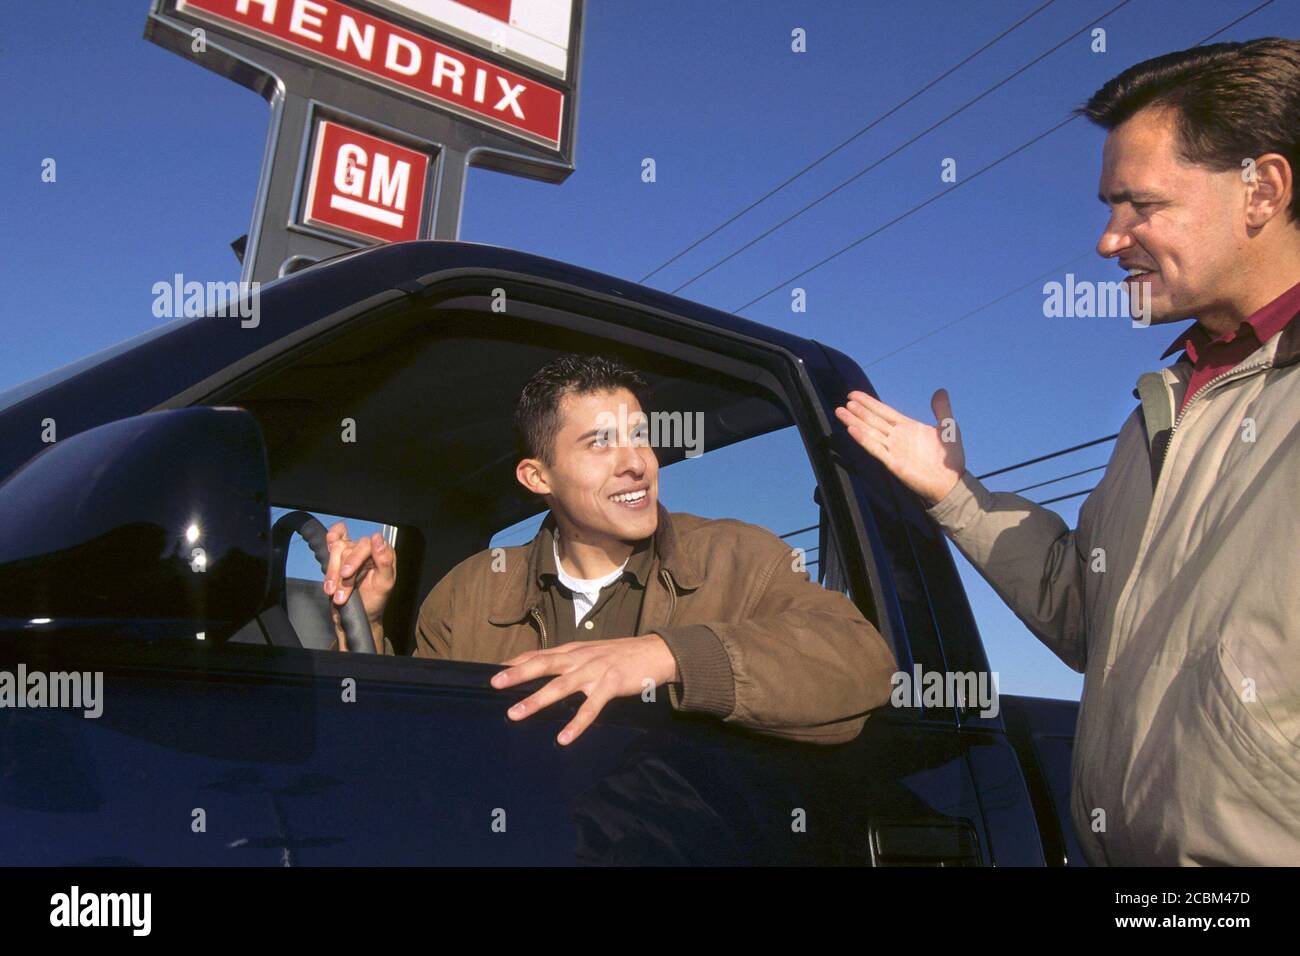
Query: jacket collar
[[1284, 346], [1288, 344], [521, 591], [638, 565], [1279, 316]]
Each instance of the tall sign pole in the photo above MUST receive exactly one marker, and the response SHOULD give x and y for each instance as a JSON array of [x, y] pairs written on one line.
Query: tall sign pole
[[378, 108]]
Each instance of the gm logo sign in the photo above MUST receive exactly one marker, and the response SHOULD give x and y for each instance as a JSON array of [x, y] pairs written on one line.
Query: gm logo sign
[[365, 186]]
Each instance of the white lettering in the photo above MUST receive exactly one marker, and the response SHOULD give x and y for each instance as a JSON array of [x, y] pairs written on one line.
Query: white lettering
[[389, 188], [363, 42], [268, 9], [446, 66], [301, 17], [412, 66], [102, 909], [349, 170], [510, 97]]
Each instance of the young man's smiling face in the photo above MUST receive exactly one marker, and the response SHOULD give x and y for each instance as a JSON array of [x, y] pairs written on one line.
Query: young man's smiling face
[[602, 479], [1181, 225]]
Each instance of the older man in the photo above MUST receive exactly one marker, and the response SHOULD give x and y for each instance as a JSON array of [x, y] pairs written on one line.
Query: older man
[[1177, 594]]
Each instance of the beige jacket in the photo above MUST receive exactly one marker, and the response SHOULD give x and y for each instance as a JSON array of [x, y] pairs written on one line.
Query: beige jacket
[[1180, 603], [756, 642]]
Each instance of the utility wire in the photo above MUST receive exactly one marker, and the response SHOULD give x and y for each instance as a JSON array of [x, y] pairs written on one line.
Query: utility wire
[[1098, 441], [827, 155], [1040, 458], [981, 171], [1052, 481], [1055, 270], [1225, 29], [898, 149], [791, 534], [917, 208], [1055, 454], [1048, 501]]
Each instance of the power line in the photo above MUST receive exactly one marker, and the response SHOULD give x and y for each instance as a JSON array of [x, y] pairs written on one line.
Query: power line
[[981, 171], [1040, 458], [1048, 501], [1225, 29], [1055, 270], [1098, 441], [1055, 454], [917, 208], [898, 149], [827, 155], [1052, 481]]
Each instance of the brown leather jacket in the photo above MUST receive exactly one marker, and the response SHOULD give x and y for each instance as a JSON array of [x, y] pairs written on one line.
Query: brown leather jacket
[[776, 653]]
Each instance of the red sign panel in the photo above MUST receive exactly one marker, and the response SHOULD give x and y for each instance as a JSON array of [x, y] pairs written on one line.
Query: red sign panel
[[365, 186], [372, 48], [493, 8]]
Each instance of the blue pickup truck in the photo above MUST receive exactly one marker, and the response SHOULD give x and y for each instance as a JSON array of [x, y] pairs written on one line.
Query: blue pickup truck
[[150, 496]]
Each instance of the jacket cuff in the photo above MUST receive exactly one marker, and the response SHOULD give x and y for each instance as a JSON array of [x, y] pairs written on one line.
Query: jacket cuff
[[707, 683], [967, 500]]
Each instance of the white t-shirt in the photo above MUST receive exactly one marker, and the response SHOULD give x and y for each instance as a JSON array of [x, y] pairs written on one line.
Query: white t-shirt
[[585, 592]]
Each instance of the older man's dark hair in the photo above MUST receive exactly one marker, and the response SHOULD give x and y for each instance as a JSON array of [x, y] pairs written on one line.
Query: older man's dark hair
[[1233, 102]]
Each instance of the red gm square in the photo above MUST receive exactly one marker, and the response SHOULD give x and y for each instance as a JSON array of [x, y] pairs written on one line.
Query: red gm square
[[365, 186]]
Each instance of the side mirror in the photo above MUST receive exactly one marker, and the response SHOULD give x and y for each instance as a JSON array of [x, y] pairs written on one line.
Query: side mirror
[[160, 518]]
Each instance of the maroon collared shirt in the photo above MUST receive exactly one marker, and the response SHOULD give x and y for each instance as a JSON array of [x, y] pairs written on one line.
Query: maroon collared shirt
[[1213, 357]]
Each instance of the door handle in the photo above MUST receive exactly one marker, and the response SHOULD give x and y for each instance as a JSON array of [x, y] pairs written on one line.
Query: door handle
[[924, 843]]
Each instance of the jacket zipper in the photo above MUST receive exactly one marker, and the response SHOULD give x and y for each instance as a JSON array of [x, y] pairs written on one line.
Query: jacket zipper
[[536, 615], [1197, 394], [1121, 605], [672, 594]]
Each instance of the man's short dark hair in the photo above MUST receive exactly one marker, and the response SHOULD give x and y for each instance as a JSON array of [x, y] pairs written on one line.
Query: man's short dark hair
[[1233, 101], [537, 416]]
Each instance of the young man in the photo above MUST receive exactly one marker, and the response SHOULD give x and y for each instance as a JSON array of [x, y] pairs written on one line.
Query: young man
[[616, 595], [1176, 596]]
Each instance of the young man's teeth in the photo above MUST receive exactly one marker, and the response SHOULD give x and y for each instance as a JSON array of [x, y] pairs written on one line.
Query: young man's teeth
[[1138, 272], [628, 497]]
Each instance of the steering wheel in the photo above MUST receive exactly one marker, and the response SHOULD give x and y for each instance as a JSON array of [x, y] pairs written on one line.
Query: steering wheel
[[356, 626]]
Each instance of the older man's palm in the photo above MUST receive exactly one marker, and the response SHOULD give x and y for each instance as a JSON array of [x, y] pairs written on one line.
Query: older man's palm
[[928, 459]]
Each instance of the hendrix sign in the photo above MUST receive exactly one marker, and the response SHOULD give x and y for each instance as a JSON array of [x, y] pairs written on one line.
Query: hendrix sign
[[378, 107]]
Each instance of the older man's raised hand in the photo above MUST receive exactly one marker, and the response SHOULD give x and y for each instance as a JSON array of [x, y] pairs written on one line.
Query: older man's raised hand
[[928, 459]]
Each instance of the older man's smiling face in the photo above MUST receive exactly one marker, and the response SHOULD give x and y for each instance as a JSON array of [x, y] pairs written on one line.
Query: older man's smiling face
[[1177, 228]]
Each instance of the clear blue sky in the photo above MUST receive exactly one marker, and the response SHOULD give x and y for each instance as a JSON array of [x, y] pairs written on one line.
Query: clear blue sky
[[158, 160]]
